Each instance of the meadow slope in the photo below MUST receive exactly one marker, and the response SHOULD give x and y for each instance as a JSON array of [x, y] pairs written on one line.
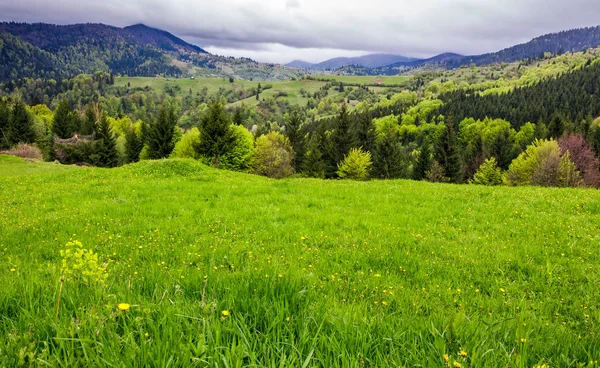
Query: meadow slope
[[226, 269]]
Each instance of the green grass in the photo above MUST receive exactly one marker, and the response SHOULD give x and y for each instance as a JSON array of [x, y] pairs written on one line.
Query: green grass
[[509, 275]]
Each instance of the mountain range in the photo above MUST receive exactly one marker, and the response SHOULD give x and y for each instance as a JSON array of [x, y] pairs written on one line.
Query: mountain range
[[369, 61], [62, 51]]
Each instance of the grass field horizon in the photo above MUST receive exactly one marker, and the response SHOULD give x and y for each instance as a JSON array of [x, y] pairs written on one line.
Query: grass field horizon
[[227, 269]]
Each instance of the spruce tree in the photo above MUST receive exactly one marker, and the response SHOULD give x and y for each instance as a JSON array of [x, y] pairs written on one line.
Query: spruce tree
[[133, 146], [424, 162], [4, 124], [105, 146], [295, 135], [556, 127], [88, 125], [341, 139], [61, 124], [216, 134], [20, 128], [313, 165], [161, 133], [446, 154], [363, 131], [388, 158], [238, 118]]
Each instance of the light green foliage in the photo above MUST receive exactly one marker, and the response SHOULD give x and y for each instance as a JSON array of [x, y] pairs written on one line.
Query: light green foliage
[[488, 173], [242, 149], [459, 267], [526, 135], [356, 165], [273, 156], [44, 113], [186, 146], [386, 125], [81, 265], [542, 164], [421, 111]]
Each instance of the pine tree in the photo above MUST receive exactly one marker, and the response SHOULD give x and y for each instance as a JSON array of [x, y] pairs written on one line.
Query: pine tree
[[216, 135], [4, 124], [388, 158], [133, 146], [105, 146], [20, 128], [424, 162], [61, 124], [238, 117], [446, 154], [556, 127], [88, 125], [295, 135], [161, 133]]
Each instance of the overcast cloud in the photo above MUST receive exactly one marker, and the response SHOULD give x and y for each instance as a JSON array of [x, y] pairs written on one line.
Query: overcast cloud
[[315, 30]]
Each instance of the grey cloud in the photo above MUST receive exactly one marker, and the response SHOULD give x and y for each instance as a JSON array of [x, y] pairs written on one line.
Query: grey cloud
[[405, 27]]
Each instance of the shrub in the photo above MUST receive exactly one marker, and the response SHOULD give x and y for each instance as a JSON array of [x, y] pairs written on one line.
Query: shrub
[[488, 173], [273, 156], [186, 147], [239, 156], [356, 165], [437, 174], [542, 164], [583, 157], [27, 151]]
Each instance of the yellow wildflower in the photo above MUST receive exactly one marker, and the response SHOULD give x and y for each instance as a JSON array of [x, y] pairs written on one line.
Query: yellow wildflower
[[225, 313], [456, 364], [462, 353], [123, 307]]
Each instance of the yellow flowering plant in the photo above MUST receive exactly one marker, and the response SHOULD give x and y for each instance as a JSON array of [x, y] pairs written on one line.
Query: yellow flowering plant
[[80, 264]]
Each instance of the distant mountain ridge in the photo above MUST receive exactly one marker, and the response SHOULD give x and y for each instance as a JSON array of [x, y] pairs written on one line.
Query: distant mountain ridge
[[369, 61], [555, 43]]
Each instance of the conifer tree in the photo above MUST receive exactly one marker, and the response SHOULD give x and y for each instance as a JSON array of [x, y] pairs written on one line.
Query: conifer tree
[[161, 132], [216, 134], [446, 154], [61, 124], [313, 165], [363, 131], [88, 125], [424, 162], [133, 146], [20, 128], [4, 124], [341, 139], [556, 127], [294, 133], [105, 146], [388, 158]]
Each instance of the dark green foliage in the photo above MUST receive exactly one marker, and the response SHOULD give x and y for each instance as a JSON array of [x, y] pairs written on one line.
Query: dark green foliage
[[424, 162], [105, 146], [61, 125], [238, 116], [20, 129], [446, 154], [160, 134], [341, 137], [296, 137], [216, 135], [363, 131], [314, 165], [389, 158], [570, 97], [88, 124], [133, 146], [4, 123], [503, 149]]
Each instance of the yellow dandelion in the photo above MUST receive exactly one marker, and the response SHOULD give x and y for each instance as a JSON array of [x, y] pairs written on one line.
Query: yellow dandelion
[[446, 357], [502, 290], [147, 334], [456, 364], [287, 319], [523, 340], [462, 353], [225, 313], [123, 307], [12, 270]]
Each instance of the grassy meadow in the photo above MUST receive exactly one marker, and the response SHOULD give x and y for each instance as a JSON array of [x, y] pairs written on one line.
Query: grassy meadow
[[222, 269]]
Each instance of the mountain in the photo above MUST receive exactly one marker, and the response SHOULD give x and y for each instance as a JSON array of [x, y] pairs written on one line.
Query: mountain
[[554, 43], [368, 61], [52, 51]]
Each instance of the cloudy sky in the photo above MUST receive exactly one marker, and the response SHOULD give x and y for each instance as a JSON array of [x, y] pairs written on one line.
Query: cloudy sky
[[315, 30]]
